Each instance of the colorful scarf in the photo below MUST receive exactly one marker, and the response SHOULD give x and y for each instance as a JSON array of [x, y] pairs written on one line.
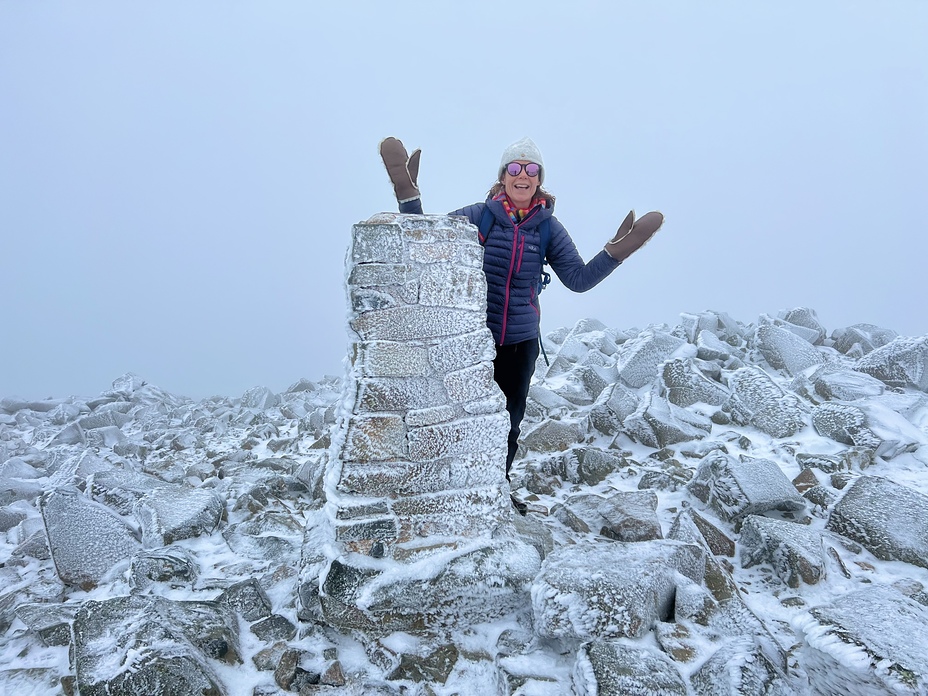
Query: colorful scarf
[[517, 214]]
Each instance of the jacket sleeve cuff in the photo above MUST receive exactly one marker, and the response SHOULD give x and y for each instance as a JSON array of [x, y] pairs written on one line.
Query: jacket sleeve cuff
[[411, 205]]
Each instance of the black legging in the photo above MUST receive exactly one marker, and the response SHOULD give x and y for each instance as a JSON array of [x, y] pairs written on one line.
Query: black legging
[[513, 368]]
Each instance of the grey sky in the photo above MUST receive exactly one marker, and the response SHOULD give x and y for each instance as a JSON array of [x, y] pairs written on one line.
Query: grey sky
[[178, 180]]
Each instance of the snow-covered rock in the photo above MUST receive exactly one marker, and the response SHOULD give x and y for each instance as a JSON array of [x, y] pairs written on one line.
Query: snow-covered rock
[[758, 400], [659, 423], [857, 340], [613, 669], [86, 539], [611, 589], [901, 362], [870, 641], [886, 518], [171, 513], [784, 350], [638, 360], [151, 645], [793, 550], [684, 385], [464, 605], [740, 667], [735, 489], [623, 516]]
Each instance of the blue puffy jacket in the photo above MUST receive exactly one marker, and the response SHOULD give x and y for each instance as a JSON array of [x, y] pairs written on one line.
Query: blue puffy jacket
[[512, 263]]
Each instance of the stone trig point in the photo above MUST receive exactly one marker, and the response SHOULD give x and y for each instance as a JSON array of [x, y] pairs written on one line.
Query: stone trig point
[[416, 491]]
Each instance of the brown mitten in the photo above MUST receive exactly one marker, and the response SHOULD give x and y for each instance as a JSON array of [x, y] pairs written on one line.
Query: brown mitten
[[403, 169], [633, 234]]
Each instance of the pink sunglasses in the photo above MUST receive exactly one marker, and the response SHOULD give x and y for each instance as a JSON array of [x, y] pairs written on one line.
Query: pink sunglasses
[[514, 169]]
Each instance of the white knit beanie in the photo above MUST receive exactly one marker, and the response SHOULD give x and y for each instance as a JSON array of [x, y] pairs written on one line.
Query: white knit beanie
[[524, 150]]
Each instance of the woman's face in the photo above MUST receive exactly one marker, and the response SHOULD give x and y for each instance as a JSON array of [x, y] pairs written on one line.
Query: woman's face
[[520, 188]]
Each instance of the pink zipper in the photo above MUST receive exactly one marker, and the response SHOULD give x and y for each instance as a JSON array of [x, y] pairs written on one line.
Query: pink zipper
[[512, 261], [516, 245]]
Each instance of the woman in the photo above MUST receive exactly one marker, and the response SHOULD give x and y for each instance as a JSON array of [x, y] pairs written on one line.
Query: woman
[[522, 213]]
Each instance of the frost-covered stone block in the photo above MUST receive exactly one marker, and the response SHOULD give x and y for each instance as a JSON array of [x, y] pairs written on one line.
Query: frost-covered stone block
[[85, 538], [530, 530], [611, 590], [734, 489], [466, 513], [9, 518], [171, 513], [371, 530], [461, 351], [362, 300], [572, 350], [866, 642], [144, 644], [659, 423], [546, 402], [805, 318], [711, 347], [692, 527], [247, 599], [174, 566], [104, 419], [853, 458], [266, 536], [413, 322], [260, 398], [494, 403], [845, 385], [741, 667], [72, 434], [612, 407], [448, 285], [378, 274], [594, 464], [120, 489], [553, 436], [793, 550], [108, 436], [684, 385], [13, 489], [377, 243], [901, 362], [623, 515], [844, 423], [785, 350], [580, 386], [399, 394], [457, 253], [596, 377], [432, 416], [389, 479], [375, 437], [859, 339], [718, 323], [470, 383], [392, 359], [460, 438], [613, 669], [638, 360], [482, 581], [50, 622], [694, 603], [888, 519], [872, 424], [756, 399]]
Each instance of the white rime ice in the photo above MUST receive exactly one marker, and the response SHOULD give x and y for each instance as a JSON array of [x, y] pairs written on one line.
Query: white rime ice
[[731, 508]]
